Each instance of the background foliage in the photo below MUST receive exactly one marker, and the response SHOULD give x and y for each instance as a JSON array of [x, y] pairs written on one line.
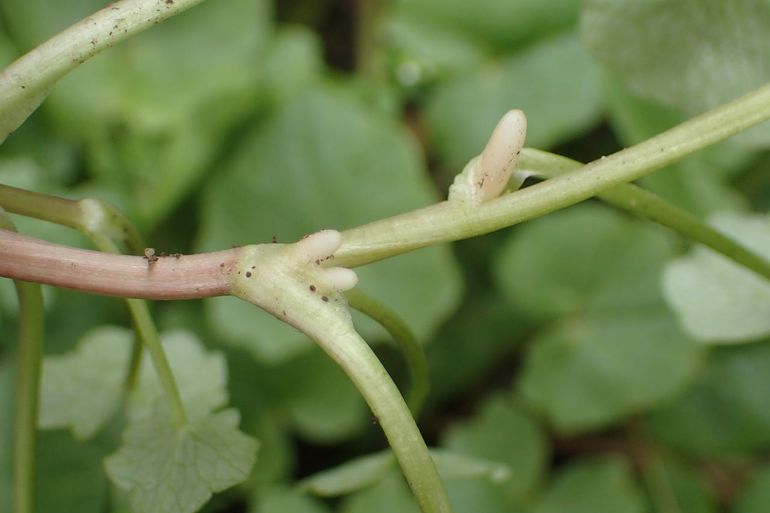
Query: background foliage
[[582, 351]]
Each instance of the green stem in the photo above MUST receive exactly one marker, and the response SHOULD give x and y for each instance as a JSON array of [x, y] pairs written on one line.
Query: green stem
[[407, 342], [102, 223], [449, 221], [276, 278], [25, 83], [27, 388], [650, 206]]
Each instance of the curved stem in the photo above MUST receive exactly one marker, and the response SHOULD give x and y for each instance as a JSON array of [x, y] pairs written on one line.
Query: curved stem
[[403, 336], [448, 221], [277, 278], [27, 389], [25, 83], [650, 206]]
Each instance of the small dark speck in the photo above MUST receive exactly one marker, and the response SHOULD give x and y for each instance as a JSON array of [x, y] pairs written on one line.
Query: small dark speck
[[23, 87], [169, 2], [253, 266], [283, 312], [325, 299], [312, 288], [275, 239], [222, 265], [248, 274]]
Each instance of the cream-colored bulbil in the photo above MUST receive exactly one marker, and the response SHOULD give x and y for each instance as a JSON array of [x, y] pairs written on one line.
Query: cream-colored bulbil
[[319, 247], [486, 176]]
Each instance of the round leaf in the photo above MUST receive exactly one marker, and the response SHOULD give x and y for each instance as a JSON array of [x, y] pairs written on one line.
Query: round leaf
[[717, 300]]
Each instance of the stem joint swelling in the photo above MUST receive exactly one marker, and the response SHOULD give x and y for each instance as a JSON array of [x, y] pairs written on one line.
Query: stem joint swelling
[[292, 283]]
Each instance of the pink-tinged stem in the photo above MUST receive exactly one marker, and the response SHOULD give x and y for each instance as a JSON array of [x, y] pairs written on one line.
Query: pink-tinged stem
[[155, 277]]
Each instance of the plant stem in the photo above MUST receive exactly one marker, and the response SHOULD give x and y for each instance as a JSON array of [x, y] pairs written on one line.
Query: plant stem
[[27, 388], [145, 328], [169, 277], [25, 83], [276, 278], [449, 221], [403, 336], [654, 208]]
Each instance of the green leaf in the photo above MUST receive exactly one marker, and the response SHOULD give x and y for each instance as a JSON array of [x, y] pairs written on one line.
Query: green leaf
[[717, 300], [592, 486], [498, 25], [366, 470], [341, 165], [727, 410], [386, 496], [201, 377], [674, 486], [81, 390], [277, 499], [755, 498], [165, 468], [350, 476], [690, 54], [595, 274], [502, 433], [323, 404], [153, 110], [463, 110]]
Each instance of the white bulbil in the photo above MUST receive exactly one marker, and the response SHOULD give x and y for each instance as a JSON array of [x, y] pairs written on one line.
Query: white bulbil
[[319, 245], [341, 278], [486, 176]]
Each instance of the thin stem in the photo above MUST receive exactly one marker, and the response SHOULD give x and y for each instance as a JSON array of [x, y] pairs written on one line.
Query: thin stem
[[25, 83], [407, 342], [449, 221], [650, 206], [27, 389], [145, 327], [97, 220]]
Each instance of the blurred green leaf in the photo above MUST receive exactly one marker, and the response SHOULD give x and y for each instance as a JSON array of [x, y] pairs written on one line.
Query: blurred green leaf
[[717, 300], [554, 82], [322, 402], [674, 487], [153, 110], [480, 334], [501, 432], [82, 389], [689, 54], [70, 476], [498, 25], [292, 63], [366, 470], [166, 468], [278, 499], [755, 497], [613, 348], [727, 410], [325, 161], [351, 476], [592, 486], [386, 496], [201, 377]]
